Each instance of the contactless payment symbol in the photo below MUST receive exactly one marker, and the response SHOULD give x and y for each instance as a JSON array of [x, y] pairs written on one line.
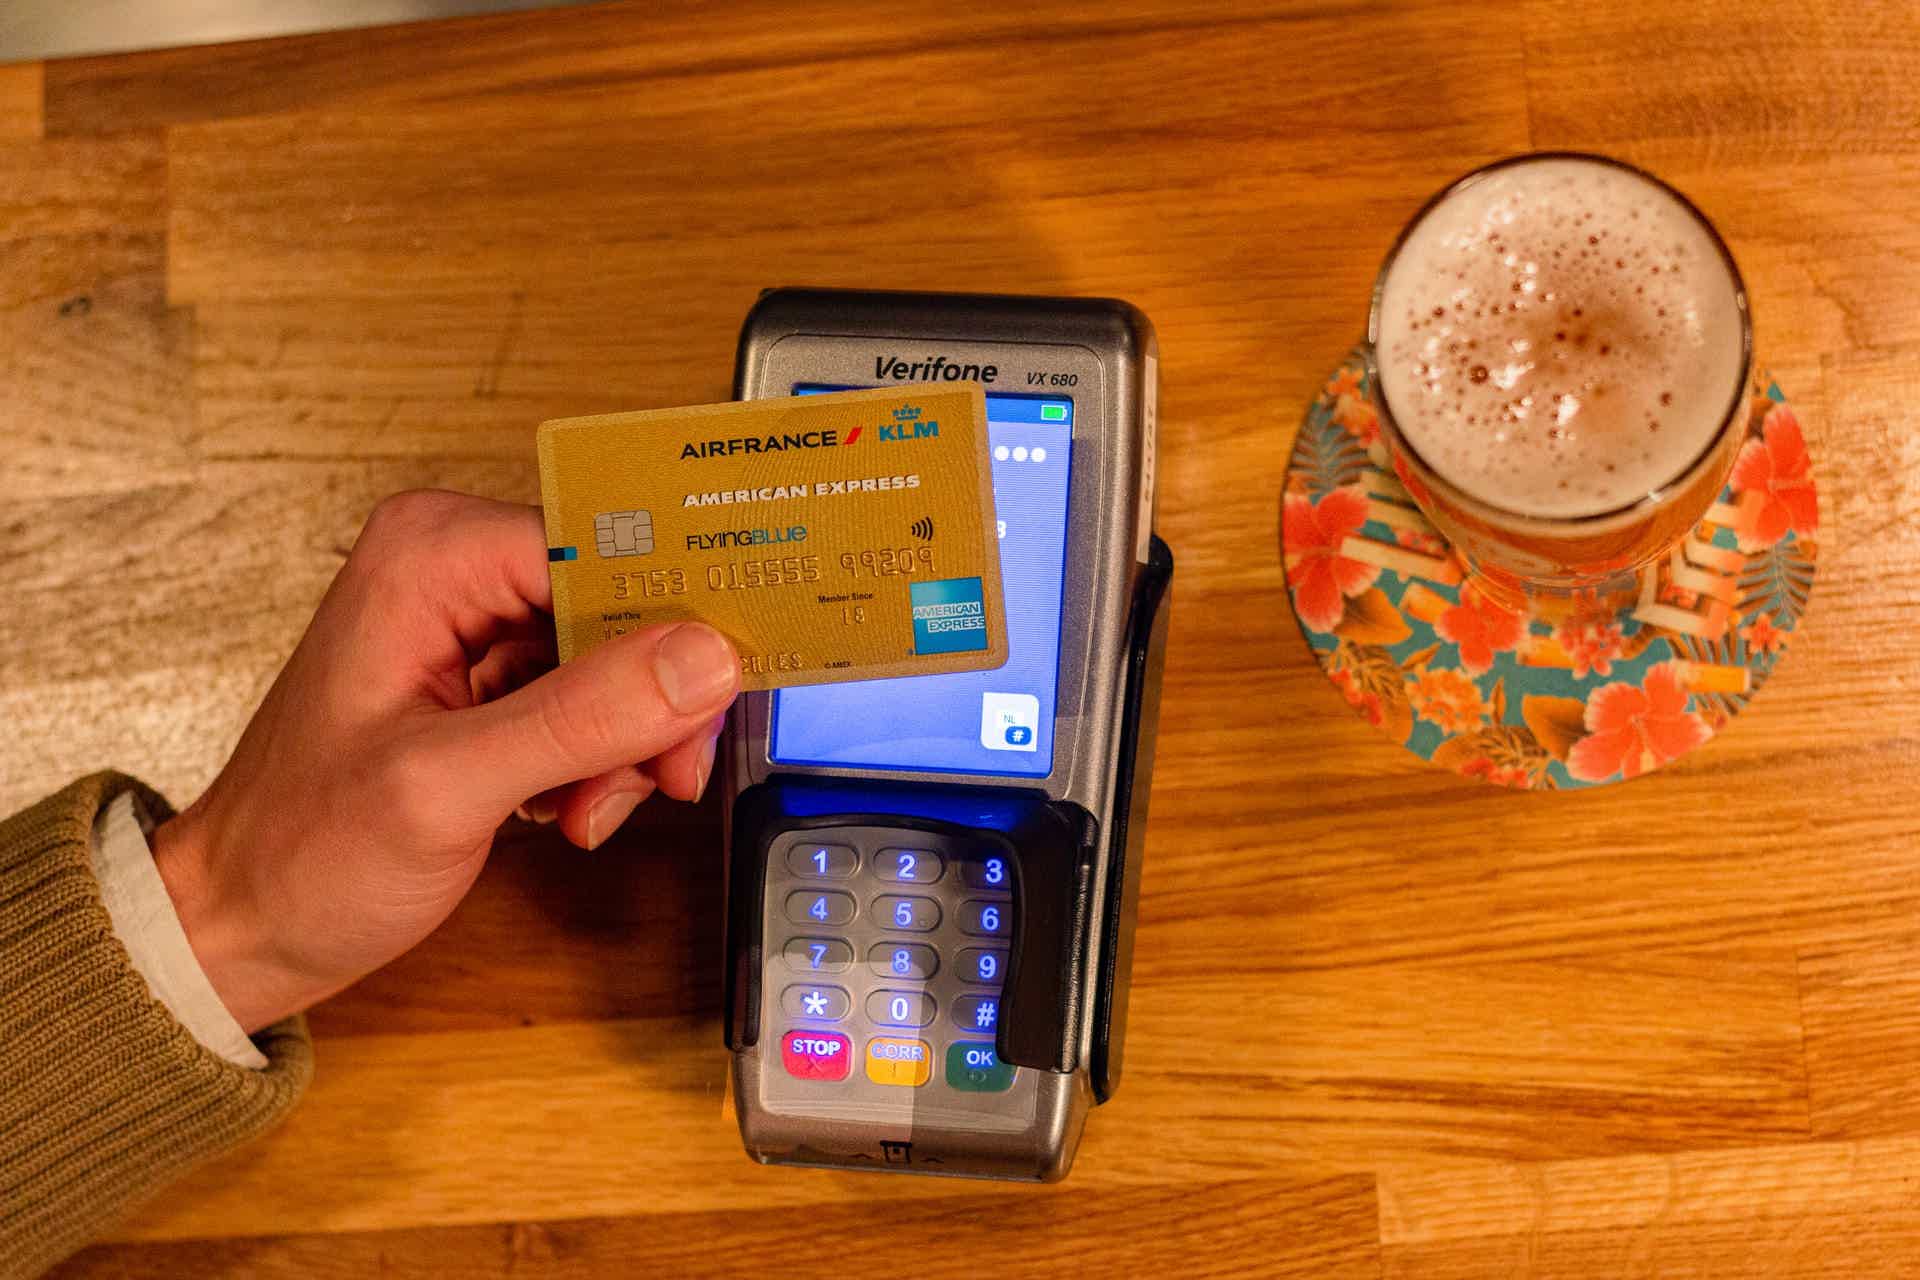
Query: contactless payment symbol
[[1009, 722], [949, 616]]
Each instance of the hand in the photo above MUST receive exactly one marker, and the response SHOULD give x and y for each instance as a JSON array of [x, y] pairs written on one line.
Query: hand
[[409, 723]]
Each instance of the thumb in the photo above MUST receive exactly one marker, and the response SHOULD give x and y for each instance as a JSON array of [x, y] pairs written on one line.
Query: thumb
[[624, 702]]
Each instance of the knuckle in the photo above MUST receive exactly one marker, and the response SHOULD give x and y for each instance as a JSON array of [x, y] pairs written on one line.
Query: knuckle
[[403, 533], [408, 515], [398, 511]]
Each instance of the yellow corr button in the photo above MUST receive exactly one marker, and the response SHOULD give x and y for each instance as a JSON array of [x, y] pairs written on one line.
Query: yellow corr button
[[899, 1060]]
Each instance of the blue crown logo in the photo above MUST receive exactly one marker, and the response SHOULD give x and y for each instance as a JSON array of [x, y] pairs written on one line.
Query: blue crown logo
[[907, 413]]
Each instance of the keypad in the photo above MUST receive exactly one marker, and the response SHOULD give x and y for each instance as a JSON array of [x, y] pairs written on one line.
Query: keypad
[[895, 951]]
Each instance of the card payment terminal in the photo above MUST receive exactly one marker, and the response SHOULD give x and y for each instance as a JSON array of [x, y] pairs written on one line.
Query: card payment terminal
[[932, 880]]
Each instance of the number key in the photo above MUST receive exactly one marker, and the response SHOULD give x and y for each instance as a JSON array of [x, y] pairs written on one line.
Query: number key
[[901, 1008], [919, 915], [814, 906], [903, 960], [833, 861], [989, 873], [980, 965], [986, 919], [818, 955], [909, 866]]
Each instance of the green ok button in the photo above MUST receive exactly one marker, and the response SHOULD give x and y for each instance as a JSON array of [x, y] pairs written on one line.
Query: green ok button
[[973, 1067]]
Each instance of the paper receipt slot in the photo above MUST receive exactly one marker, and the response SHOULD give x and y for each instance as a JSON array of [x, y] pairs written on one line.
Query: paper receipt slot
[[932, 880]]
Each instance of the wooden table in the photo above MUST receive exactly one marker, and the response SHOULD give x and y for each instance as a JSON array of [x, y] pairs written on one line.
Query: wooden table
[[1385, 1022]]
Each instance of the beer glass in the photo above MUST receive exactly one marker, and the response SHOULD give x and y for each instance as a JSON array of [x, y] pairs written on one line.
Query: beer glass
[[1524, 355]]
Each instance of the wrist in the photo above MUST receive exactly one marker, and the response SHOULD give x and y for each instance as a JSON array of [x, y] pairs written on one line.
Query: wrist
[[224, 930]]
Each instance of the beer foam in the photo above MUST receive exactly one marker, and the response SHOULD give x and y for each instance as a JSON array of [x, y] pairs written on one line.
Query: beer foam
[[1559, 338]]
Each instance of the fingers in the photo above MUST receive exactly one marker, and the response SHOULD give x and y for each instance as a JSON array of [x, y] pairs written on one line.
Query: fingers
[[470, 567], [511, 663], [684, 769], [630, 699], [593, 810]]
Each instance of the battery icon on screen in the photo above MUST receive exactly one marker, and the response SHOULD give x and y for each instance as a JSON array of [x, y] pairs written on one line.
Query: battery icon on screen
[[1053, 413]]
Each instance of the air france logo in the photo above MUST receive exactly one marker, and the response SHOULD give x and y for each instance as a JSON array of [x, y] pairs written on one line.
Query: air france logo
[[906, 425], [790, 442]]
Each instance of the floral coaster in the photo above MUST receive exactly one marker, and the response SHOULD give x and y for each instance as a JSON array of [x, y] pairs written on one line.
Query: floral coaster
[[1523, 699]]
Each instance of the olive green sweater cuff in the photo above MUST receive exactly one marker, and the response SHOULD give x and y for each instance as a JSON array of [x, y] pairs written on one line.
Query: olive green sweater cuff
[[104, 1098]]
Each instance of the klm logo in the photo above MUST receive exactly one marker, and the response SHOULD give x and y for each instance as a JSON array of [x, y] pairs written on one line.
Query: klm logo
[[906, 425], [909, 430]]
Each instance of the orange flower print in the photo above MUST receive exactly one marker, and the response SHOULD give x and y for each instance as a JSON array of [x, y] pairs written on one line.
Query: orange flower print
[[1762, 636], [1777, 467], [1481, 628], [1312, 534], [1344, 383], [1367, 704], [1501, 776], [1630, 731], [1591, 641], [1359, 419], [1448, 698]]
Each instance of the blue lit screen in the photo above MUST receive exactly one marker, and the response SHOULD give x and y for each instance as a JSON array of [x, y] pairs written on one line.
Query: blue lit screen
[[989, 722]]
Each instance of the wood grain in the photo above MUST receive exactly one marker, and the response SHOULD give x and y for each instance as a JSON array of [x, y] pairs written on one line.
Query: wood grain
[[1804, 84], [1385, 1022], [22, 101], [1815, 1209], [1313, 1229], [631, 934]]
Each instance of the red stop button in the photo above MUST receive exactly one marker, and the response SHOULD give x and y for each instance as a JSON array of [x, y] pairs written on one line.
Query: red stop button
[[817, 1055]]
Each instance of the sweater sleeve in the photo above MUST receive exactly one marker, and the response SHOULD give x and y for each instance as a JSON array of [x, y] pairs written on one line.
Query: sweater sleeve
[[104, 1097], [148, 926]]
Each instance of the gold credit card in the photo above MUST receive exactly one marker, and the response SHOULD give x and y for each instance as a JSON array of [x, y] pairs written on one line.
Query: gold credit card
[[845, 536]]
